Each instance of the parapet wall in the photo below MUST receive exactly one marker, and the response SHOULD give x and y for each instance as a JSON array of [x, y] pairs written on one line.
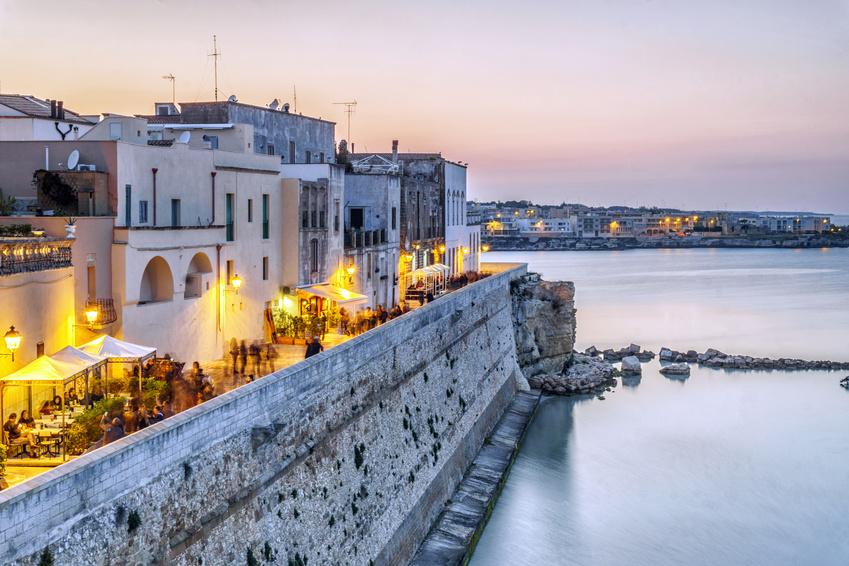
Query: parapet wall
[[346, 458]]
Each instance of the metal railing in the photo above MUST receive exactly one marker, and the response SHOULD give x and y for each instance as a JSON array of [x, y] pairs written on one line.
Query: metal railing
[[25, 255]]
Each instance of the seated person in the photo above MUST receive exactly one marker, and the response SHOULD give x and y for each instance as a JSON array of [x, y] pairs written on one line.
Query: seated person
[[46, 409], [116, 431], [26, 421], [57, 403], [71, 397], [14, 434]]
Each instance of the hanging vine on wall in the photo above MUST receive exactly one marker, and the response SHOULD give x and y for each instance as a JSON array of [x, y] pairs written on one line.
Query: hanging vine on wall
[[54, 189]]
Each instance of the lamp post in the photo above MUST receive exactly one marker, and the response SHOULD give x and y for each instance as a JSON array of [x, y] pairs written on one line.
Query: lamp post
[[13, 341]]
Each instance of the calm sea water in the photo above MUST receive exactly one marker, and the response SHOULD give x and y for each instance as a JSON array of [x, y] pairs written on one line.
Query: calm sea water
[[719, 468]]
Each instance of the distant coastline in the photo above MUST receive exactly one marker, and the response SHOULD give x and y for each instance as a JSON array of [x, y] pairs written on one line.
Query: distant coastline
[[771, 241]]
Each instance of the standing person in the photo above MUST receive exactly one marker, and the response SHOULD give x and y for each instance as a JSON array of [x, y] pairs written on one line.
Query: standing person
[[116, 431], [343, 321], [234, 353], [255, 354], [157, 415], [314, 347], [270, 355], [382, 314], [142, 418], [243, 355]]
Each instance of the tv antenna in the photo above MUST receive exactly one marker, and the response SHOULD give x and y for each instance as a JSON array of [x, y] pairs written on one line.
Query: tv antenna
[[173, 79], [350, 108], [215, 55], [295, 97]]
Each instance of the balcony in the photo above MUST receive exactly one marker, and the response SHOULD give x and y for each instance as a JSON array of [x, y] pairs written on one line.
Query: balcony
[[105, 309], [26, 255], [364, 238]]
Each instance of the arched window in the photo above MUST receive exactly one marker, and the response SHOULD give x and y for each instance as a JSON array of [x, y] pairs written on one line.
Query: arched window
[[157, 283], [199, 265]]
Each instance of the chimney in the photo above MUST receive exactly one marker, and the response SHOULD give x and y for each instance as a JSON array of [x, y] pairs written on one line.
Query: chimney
[[394, 151], [60, 111], [52, 108]]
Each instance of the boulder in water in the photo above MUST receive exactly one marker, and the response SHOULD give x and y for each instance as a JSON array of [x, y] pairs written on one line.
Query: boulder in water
[[676, 369], [631, 365]]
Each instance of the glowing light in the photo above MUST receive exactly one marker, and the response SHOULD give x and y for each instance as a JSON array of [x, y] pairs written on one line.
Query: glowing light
[[13, 340], [236, 281], [466, 250], [442, 248], [614, 225], [91, 315], [346, 294], [485, 247], [351, 269]]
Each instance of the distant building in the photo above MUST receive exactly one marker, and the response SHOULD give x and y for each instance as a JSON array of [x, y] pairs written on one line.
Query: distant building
[[27, 118]]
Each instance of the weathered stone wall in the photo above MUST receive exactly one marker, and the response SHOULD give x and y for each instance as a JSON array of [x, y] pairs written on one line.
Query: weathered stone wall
[[346, 458], [544, 324]]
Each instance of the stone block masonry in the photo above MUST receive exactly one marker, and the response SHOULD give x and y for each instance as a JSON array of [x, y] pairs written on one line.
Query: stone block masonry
[[346, 458]]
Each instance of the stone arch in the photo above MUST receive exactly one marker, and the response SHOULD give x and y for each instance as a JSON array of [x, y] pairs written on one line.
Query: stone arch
[[198, 266], [157, 282]]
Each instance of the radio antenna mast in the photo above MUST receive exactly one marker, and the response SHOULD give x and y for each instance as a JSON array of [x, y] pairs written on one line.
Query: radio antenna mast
[[215, 55], [173, 79], [350, 108], [295, 97]]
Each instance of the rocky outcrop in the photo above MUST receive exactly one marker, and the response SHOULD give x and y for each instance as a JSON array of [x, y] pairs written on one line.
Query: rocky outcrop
[[713, 358], [586, 374], [631, 365], [544, 324], [682, 368], [612, 355]]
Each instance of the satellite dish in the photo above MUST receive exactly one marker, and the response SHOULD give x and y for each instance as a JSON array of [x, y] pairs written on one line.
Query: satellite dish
[[184, 137], [274, 104], [73, 159], [232, 98]]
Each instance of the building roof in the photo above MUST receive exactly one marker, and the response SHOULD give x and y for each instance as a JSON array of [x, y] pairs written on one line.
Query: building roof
[[405, 157], [226, 103], [37, 108]]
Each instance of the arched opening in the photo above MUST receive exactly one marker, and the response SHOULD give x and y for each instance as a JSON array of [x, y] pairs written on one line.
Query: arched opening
[[199, 265], [157, 283]]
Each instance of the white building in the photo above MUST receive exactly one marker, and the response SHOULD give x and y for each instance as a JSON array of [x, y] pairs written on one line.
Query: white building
[[462, 241], [27, 118]]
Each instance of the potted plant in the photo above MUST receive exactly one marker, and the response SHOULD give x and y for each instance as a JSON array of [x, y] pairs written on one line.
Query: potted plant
[[70, 227], [3, 483]]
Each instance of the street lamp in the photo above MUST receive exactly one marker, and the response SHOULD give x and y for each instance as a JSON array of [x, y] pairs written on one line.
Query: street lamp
[[13, 341]]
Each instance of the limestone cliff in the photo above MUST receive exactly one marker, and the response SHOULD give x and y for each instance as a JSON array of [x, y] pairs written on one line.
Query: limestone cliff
[[544, 324]]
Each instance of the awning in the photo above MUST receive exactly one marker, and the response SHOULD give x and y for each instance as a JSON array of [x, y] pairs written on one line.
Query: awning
[[65, 365], [435, 269], [337, 294], [115, 350]]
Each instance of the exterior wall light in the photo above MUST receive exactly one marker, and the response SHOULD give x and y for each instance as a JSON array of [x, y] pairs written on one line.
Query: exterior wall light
[[91, 315], [13, 341], [442, 248], [351, 269], [236, 281], [485, 247]]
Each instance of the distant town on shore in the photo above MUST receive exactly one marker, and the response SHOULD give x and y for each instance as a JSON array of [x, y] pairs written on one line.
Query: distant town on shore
[[519, 225]]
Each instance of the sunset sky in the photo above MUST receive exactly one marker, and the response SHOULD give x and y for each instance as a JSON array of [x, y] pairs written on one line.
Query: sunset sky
[[698, 104]]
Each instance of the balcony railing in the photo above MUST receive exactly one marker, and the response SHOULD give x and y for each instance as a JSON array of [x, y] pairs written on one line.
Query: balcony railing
[[105, 311], [25, 255], [364, 238]]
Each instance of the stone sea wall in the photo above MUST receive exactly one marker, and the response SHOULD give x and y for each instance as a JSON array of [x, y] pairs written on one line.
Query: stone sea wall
[[346, 458]]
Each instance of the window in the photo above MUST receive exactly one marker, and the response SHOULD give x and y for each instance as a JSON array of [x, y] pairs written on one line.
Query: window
[[335, 215], [211, 141], [231, 269], [313, 255], [270, 149], [321, 219], [291, 152], [128, 205], [265, 229], [250, 210], [368, 267], [357, 220], [308, 157], [91, 275], [265, 268], [228, 217], [305, 219], [175, 212], [394, 217], [314, 218], [142, 212], [321, 157]]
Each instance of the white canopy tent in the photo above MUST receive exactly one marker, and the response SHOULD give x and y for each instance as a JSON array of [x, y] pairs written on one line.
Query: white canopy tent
[[60, 369], [116, 351]]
